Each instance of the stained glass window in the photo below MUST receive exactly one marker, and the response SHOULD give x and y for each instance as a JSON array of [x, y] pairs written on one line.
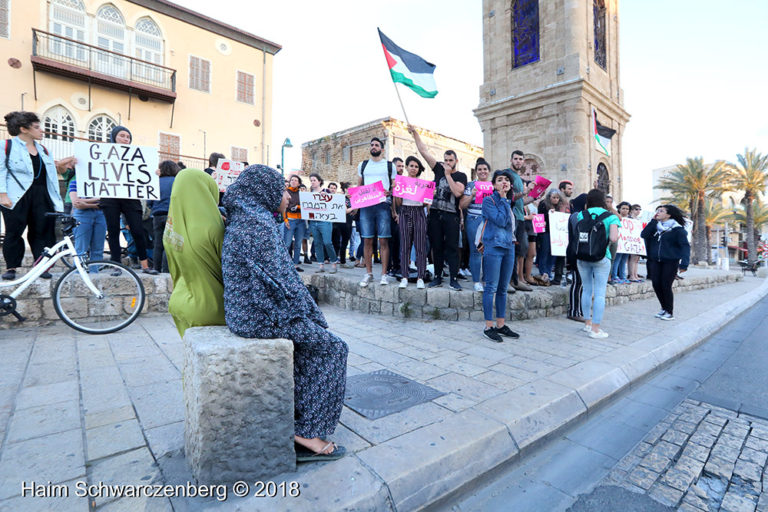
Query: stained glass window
[[525, 32], [598, 8]]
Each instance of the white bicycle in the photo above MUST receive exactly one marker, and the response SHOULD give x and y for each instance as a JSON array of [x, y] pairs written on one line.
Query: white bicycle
[[95, 297]]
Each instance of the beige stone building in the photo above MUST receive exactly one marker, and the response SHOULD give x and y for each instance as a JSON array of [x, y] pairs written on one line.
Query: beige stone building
[[336, 156], [547, 64], [180, 81]]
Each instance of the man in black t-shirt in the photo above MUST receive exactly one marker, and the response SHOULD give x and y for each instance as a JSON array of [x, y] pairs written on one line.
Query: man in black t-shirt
[[443, 223]]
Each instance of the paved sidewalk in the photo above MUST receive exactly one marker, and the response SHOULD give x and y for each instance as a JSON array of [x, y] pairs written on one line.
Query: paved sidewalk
[[78, 408]]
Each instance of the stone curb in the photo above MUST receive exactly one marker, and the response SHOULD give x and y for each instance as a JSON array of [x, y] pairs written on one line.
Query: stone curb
[[421, 467]]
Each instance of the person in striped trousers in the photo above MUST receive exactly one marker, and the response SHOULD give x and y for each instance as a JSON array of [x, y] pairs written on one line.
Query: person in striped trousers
[[412, 222]]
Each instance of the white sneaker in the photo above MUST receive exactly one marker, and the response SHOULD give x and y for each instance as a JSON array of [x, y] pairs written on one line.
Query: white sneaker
[[587, 328], [420, 284], [404, 283], [479, 287], [384, 280], [366, 280], [666, 316], [661, 314], [599, 334]]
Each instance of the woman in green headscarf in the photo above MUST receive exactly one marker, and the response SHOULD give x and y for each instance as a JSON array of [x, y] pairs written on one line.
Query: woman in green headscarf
[[193, 236]]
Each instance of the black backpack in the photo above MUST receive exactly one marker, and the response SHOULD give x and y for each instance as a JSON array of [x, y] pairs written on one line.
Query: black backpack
[[591, 240]]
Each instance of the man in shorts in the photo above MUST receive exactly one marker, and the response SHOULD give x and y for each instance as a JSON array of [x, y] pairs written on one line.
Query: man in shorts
[[376, 220]]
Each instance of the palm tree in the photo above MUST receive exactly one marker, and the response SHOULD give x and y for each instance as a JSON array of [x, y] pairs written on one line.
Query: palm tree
[[714, 213], [692, 182], [759, 217], [750, 175]]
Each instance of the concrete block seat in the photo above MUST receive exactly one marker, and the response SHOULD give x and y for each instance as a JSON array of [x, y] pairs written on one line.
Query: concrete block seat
[[239, 408]]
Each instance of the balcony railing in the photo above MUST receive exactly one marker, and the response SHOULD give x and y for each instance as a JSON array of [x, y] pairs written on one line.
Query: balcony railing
[[75, 59]]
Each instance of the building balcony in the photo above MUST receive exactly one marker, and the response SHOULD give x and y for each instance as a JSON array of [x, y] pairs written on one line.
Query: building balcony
[[80, 61]]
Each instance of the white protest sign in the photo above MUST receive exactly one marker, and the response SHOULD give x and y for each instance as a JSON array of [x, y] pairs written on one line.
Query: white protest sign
[[629, 237], [227, 172], [558, 232], [116, 170], [323, 206]]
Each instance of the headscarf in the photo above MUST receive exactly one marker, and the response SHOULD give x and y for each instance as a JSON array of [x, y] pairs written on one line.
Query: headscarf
[[118, 129], [193, 237], [263, 293]]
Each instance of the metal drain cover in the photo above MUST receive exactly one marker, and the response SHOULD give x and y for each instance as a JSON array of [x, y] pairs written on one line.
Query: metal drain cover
[[381, 393]]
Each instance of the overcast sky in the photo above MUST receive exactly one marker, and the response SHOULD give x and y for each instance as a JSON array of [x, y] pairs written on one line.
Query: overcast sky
[[694, 72]]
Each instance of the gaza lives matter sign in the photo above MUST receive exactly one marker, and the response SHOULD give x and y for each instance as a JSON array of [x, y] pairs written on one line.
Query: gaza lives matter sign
[[118, 171]]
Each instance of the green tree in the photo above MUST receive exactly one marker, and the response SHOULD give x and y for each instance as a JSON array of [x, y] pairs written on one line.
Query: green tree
[[692, 183], [750, 175]]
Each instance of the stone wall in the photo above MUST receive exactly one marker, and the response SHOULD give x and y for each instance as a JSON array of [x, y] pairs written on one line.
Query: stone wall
[[36, 305], [336, 157], [343, 290]]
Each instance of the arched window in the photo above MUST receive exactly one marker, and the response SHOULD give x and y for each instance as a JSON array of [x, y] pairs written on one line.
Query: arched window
[[525, 32], [58, 124], [100, 127], [110, 35], [603, 178], [149, 47], [67, 18], [598, 11]]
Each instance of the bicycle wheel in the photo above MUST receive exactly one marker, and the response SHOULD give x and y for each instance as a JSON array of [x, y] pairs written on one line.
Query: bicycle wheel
[[122, 298]]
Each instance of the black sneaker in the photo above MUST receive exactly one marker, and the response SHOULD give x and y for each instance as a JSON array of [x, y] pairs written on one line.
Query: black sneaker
[[492, 334], [9, 275], [299, 269], [150, 271], [307, 261], [454, 285], [46, 275], [506, 331], [435, 283]]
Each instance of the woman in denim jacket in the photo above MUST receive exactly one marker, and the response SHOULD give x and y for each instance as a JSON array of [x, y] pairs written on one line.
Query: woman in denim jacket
[[498, 237]]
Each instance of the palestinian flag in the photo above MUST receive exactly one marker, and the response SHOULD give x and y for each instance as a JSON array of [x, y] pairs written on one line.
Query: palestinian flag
[[602, 135], [409, 69]]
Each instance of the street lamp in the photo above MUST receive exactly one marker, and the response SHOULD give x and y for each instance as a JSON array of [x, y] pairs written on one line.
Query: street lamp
[[286, 144]]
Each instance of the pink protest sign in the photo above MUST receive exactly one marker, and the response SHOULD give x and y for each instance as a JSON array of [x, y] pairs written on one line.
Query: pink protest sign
[[414, 189], [539, 223], [541, 185], [630, 241], [484, 189], [367, 195]]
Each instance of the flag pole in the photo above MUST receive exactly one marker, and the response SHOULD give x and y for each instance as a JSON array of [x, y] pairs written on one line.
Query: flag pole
[[401, 101]]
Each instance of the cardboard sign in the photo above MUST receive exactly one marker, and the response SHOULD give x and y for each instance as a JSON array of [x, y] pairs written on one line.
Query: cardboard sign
[[541, 185], [116, 170], [367, 195], [558, 232], [414, 189], [539, 223], [484, 189], [226, 173], [629, 237], [323, 206]]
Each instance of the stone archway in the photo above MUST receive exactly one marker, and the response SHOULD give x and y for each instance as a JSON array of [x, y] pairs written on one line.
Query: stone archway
[[603, 178]]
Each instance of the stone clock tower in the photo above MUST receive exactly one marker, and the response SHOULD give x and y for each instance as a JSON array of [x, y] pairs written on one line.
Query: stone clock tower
[[550, 82]]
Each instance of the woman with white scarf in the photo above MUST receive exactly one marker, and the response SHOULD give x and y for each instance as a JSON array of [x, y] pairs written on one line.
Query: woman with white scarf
[[668, 250]]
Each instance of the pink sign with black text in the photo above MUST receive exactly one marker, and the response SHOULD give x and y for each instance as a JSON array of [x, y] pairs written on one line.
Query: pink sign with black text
[[367, 195], [484, 189]]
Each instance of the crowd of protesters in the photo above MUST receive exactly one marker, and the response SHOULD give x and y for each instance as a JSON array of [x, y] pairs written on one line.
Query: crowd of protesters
[[490, 241]]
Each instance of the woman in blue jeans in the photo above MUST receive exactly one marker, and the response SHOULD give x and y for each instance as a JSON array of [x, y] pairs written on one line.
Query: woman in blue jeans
[[594, 274], [322, 232], [92, 228], [474, 219], [498, 237]]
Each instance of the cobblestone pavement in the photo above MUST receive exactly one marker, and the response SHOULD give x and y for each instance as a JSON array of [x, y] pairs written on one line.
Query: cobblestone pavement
[[700, 458], [75, 407]]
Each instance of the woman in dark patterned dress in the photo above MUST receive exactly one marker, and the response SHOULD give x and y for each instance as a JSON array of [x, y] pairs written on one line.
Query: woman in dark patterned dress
[[265, 298]]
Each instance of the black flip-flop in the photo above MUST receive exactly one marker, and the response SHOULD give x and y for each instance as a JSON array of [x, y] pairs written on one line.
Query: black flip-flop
[[304, 454]]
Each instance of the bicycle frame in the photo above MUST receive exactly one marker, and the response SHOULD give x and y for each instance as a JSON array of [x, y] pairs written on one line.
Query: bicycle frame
[[47, 261]]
